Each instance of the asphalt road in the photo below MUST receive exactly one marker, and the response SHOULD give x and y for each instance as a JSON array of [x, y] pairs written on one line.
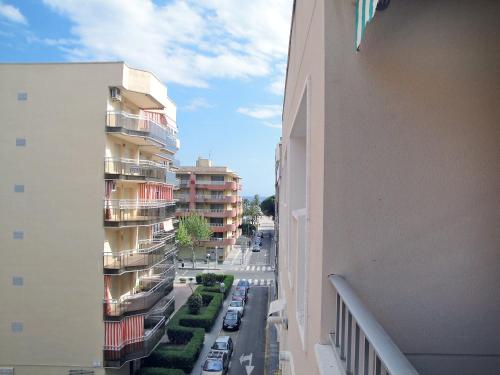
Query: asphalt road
[[249, 341]]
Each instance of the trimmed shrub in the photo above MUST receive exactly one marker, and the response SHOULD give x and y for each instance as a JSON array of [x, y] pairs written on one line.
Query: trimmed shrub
[[228, 283], [209, 279], [199, 278], [161, 371], [166, 356], [194, 303], [207, 317]]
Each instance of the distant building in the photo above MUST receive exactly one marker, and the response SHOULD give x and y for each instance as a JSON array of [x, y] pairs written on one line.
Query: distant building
[[212, 192], [389, 209], [87, 216]]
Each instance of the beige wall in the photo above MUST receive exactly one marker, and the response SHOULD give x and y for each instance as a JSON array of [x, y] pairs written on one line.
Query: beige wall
[[60, 304], [306, 63], [411, 148], [412, 144]]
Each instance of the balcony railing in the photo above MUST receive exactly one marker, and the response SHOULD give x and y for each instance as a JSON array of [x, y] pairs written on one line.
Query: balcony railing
[[170, 178], [183, 183], [145, 169], [137, 125], [146, 255], [216, 198], [117, 210], [182, 197], [360, 341], [154, 329], [214, 212], [217, 185], [151, 290]]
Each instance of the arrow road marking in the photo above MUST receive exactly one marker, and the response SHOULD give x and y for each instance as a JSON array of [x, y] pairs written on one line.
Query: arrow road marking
[[244, 358]]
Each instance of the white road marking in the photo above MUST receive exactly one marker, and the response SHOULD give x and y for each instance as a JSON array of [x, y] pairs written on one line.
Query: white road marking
[[248, 268]]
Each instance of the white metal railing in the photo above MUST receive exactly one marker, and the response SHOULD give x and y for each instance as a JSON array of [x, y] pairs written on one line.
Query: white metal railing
[[140, 123], [133, 204], [360, 341], [210, 182]]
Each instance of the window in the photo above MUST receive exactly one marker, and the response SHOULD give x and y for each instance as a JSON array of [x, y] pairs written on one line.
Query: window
[[297, 213]]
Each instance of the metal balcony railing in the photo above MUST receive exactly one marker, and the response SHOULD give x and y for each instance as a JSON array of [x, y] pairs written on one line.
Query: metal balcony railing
[[131, 167], [154, 329], [146, 255], [182, 197], [170, 178], [137, 209], [216, 198], [210, 182], [360, 341], [143, 126], [183, 183], [150, 290]]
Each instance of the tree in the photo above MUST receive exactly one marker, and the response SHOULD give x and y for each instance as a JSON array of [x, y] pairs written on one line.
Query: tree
[[194, 303], [255, 211], [192, 230], [267, 206]]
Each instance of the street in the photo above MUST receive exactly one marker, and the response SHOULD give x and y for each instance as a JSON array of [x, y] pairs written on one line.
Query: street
[[250, 340]]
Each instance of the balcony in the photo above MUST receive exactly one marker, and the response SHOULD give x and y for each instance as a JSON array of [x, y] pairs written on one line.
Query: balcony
[[131, 212], [143, 129], [216, 185], [145, 256], [171, 179], [219, 213], [359, 341], [220, 228], [182, 197], [216, 198], [130, 169], [150, 291], [154, 329]]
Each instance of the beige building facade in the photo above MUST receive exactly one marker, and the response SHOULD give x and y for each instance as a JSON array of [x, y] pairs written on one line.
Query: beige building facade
[[389, 248], [212, 192], [87, 219]]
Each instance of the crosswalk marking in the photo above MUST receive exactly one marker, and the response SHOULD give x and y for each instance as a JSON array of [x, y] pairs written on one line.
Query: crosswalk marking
[[255, 282], [248, 268]]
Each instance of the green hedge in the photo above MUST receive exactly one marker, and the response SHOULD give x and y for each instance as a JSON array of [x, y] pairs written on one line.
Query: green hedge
[[185, 358], [228, 283], [206, 319], [187, 330], [161, 371]]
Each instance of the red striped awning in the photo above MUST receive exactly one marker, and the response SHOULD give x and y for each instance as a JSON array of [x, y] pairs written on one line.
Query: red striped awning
[[127, 331]]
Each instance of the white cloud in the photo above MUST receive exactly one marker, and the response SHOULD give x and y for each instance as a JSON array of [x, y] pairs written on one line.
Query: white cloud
[[277, 86], [197, 103], [271, 125], [261, 112], [184, 41], [12, 14]]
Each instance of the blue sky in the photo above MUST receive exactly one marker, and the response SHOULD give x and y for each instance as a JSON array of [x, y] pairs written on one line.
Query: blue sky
[[224, 63]]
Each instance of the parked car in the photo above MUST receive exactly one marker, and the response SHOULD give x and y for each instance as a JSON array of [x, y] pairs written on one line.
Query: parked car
[[255, 248], [237, 305], [216, 363], [231, 321], [240, 294], [243, 284], [224, 344]]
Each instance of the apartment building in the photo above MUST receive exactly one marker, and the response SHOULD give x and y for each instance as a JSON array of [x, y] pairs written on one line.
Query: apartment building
[[87, 219], [389, 211], [212, 192]]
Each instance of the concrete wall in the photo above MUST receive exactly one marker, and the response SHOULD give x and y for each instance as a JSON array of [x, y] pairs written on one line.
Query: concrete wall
[[412, 176], [404, 136], [306, 64], [60, 212]]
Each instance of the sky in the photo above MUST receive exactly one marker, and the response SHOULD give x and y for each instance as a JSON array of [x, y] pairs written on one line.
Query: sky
[[223, 61]]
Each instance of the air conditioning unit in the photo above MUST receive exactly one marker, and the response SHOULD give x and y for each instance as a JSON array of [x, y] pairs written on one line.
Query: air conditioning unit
[[116, 96]]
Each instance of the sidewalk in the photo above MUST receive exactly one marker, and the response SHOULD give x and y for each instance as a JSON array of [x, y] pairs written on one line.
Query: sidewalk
[[181, 294]]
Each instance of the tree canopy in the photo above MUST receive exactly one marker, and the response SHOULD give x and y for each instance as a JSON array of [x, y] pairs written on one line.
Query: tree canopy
[[267, 206], [192, 230]]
